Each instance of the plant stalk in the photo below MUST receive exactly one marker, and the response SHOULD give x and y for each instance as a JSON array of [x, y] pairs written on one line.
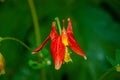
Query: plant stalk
[[35, 21], [37, 31], [17, 40]]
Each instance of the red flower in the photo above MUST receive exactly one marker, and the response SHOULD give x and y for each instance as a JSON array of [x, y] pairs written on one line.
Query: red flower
[[59, 44]]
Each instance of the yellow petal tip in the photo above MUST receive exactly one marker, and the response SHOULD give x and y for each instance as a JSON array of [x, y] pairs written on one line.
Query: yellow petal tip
[[34, 52], [68, 19], [85, 57], [53, 24], [2, 72], [57, 67]]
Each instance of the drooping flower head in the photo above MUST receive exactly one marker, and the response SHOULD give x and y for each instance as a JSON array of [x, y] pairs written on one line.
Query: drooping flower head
[[59, 45]]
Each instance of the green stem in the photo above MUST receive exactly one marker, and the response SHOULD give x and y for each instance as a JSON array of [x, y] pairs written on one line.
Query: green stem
[[58, 23], [17, 40], [35, 21], [106, 73], [37, 31]]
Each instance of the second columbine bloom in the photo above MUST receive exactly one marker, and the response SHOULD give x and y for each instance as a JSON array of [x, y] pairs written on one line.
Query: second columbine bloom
[[59, 45]]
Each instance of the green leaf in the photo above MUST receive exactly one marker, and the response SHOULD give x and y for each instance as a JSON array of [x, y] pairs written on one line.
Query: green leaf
[[111, 61], [118, 56]]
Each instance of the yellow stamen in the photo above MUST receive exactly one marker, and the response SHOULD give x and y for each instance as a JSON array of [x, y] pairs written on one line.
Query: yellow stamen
[[67, 56], [64, 37]]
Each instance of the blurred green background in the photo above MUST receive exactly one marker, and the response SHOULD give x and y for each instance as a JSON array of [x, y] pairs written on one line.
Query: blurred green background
[[96, 27]]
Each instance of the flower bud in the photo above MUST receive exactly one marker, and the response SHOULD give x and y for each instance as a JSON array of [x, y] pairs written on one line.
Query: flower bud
[[2, 64]]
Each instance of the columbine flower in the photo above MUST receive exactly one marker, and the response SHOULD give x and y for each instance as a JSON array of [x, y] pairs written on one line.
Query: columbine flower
[[60, 43], [2, 64]]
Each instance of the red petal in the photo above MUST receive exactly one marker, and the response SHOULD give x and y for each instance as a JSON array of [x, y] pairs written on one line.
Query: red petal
[[58, 51], [52, 35], [41, 46], [72, 42]]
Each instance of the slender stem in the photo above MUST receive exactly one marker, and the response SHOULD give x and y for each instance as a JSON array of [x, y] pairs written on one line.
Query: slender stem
[[17, 40], [37, 31], [35, 21], [106, 73], [58, 23]]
